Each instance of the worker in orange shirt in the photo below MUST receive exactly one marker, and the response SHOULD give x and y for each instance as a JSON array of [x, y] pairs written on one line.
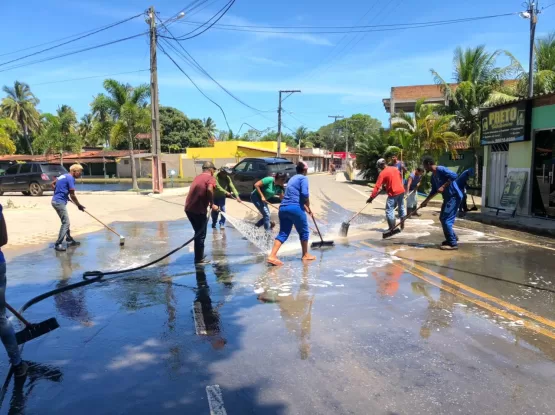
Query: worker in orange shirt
[[390, 179]]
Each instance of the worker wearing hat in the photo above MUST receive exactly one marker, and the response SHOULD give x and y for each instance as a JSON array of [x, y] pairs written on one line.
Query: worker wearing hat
[[224, 188], [64, 189], [199, 198], [390, 179]]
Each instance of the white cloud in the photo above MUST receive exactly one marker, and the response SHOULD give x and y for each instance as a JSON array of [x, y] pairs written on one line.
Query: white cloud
[[265, 61]]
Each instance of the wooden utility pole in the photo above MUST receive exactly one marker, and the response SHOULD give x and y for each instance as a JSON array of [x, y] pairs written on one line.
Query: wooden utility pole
[[335, 118], [279, 117], [157, 179]]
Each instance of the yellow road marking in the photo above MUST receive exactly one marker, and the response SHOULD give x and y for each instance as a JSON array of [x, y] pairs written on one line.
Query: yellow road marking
[[514, 240], [485, 305], [474, 291]]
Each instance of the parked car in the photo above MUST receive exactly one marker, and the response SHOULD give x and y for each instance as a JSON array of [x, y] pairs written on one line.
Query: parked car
[[250, 170], [31, 179]]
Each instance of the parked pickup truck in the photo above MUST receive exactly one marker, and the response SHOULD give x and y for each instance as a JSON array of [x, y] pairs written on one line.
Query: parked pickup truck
[[31, 179]]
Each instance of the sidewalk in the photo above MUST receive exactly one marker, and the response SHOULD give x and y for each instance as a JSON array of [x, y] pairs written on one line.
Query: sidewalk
[[536, 226]]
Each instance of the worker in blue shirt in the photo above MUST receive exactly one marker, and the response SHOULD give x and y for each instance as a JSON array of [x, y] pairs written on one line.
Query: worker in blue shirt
[[447, 183]]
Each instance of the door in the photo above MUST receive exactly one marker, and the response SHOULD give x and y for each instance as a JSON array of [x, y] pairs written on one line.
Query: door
[[242, 176], [497, 173], [8, 180], [22, 180], [543, 200]]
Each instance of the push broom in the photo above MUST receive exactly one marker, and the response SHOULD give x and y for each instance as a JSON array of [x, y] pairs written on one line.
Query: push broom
[[322, 243], [32, 331]]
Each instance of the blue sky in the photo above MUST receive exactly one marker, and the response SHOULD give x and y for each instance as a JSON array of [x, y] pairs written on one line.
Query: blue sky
[[336, 77]]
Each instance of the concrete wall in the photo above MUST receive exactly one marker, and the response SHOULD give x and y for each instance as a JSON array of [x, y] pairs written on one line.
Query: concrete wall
[[543, 117]]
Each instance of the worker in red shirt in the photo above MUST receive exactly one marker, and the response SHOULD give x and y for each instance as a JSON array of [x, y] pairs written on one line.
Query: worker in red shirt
[[393, 183]]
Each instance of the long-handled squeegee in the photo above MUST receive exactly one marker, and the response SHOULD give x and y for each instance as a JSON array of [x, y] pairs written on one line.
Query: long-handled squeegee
[[32, 331]]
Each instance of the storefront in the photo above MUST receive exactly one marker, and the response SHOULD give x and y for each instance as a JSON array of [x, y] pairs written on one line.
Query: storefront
[[519, 142]]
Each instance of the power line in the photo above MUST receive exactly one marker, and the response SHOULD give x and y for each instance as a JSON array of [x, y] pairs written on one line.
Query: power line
[[196, 86], [73, 40], [73, 53], [221, 14], [90, 77], [547, 7], [192, 61], [341, 29]]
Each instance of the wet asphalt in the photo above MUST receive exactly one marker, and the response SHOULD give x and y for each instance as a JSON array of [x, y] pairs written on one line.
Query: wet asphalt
[[370, 327]]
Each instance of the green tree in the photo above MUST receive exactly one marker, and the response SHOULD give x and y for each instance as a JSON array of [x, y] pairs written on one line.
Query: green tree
[[100, 107], [59, 133], [210, 127], [370, 149], [251, 135], [127, 107], [85, 131], [8, 128], [179, 132], [428, 131], [302, 138], [285, 138], [334, 136], [20, 105]]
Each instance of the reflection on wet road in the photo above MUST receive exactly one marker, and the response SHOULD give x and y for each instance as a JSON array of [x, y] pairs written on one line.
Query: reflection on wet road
[[371, 327]]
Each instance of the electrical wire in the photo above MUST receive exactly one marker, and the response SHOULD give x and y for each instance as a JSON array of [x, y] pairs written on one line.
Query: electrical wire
[[58, 40], [193, 62], [343, 29], [221, 13], [548, 6], [196, 86], [73, 53], [73, 40], [90, 77]]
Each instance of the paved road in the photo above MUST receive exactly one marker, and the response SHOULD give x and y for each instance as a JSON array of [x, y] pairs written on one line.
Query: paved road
[[371, 327]]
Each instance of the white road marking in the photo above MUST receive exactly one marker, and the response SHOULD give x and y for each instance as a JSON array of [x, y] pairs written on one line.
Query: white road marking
[[215, 400], [200, 327], [365, 194]]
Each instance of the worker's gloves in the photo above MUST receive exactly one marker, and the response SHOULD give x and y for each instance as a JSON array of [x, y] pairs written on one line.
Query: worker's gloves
[[81, 208], [370, 199]]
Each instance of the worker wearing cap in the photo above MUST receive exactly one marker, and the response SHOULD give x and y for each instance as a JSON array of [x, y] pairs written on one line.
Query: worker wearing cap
[[224, 188], [447, 183], [390, 179], [199, 198], [64, 189]]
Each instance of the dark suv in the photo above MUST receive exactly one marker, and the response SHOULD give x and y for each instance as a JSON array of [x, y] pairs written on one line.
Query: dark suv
[[250, 170], [31, 179]]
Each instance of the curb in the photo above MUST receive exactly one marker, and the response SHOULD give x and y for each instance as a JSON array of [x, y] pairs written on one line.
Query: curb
[[511, 224]]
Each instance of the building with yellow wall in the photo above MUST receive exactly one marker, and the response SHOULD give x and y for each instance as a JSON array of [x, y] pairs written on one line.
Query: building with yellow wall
[[226, 152]]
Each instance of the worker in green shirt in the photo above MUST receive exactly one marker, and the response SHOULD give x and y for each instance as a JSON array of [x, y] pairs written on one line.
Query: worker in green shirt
[[224, 188], [264, 191]]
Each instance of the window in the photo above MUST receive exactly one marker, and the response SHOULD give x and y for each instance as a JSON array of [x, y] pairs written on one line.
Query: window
[[281, 167], [241, 167], [12, 170], [261, 166], [125, 162], [25, 168], [53, 169], [35, 169]]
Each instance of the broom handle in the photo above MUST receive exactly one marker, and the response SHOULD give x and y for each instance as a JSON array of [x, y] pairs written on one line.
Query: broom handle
[[406, 217], [19, 316], [247, 206], [358, 213], [310, 227], [99, 221], [315, 224]]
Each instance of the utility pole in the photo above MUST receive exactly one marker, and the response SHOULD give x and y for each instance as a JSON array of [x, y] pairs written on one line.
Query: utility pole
[[335, 118], [157, 179], [533, 10], [289, 93]]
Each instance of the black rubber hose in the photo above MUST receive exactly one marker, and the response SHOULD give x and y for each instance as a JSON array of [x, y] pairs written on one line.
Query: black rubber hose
[[90, 277]]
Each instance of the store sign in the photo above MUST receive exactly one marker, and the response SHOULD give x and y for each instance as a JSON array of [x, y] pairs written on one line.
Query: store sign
[[506, 124], [456, 157]]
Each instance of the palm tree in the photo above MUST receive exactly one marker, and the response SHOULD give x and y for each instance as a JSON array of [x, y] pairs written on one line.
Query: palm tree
[[85, 129], [210, 127], [428, 131], [127, 106], [544, 68], [59, 133], [370, 148], [20, 106], [301, 136]]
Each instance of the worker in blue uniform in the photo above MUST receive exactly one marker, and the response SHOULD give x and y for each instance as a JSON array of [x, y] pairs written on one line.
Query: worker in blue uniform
[[447, 183]]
